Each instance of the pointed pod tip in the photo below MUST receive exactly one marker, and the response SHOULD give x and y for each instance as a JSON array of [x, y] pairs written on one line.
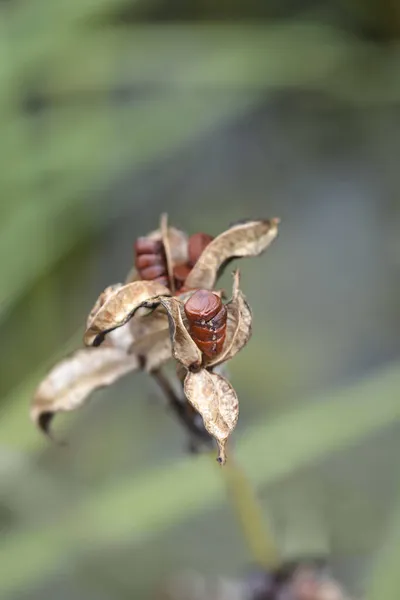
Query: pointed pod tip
[[221, 459], [236, 276], [43, 422], [163, 220], [92, 339]]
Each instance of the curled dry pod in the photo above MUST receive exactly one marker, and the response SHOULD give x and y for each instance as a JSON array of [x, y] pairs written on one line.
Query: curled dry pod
[[238, 328], [197, 243], [120, 306], [248, 238], [71, 382], [206, 315], [121, 337], [215, 399], [151, 341], [184, 350]]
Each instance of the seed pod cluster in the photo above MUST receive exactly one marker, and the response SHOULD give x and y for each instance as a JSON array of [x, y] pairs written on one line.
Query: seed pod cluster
[[207, 317], [150, 260]]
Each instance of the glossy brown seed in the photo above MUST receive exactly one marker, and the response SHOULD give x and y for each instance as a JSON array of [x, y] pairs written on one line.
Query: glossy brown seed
[[150, 261], [212, 348], [151, 273], [197, 243], [207, 321], [145, 246], [180, 273], [206, 332], [142, 261], [219, 320], [202, 306]]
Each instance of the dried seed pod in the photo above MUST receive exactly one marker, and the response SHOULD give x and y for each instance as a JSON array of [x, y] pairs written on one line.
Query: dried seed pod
[[184, 349], [115, 308], [197, 243], [238, 326], [207, 316], [70, 383], [250, 238], [215, 399], [151, 261]]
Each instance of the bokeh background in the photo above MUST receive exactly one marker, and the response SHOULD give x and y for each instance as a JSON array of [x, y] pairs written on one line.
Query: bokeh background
[[113, 111]]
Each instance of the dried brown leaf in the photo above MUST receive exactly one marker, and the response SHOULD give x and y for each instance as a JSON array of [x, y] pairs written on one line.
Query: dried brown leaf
[[119, 305], [151, 343], [238, 328], [132, 276], [70, 383], [216, 400], [167, 249], [159, 353], [121, 337], [101, 300], [184, 349], [249, 238]]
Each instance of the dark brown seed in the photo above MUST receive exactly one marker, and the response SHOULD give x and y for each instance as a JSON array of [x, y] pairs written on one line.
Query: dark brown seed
[[211, 349], [219, 319], [145, 246], [202, 306], [181, 272], [152, 272], [143, 261], [205, 333], [197, 243]]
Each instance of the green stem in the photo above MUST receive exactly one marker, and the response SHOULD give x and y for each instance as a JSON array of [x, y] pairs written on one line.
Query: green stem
[[255, 530], [240, 491]]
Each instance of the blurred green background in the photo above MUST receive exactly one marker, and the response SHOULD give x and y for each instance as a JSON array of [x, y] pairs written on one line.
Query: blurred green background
[[113, 111]]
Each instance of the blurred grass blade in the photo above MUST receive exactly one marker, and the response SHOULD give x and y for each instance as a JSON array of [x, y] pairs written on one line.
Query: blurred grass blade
[[385, 579], [153, 129], [154, 501]]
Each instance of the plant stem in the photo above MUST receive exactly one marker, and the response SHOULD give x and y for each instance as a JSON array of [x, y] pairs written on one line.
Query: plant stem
[[240, 491], [190, 420], [256, 532]]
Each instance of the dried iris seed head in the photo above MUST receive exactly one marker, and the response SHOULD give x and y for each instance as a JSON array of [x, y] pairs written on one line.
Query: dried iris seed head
[[140, 325]]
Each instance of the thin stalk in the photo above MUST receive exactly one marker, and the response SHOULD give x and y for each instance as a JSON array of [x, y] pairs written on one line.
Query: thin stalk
[[239, 489], [187, 416], [256, 531]]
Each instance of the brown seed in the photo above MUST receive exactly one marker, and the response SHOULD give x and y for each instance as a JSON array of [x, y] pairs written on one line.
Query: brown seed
[[143, 261], [219, 319], [206, 334], [145, 246], [197, 243], [151, 273], [180, 273], [203, 305], [213, 347]]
